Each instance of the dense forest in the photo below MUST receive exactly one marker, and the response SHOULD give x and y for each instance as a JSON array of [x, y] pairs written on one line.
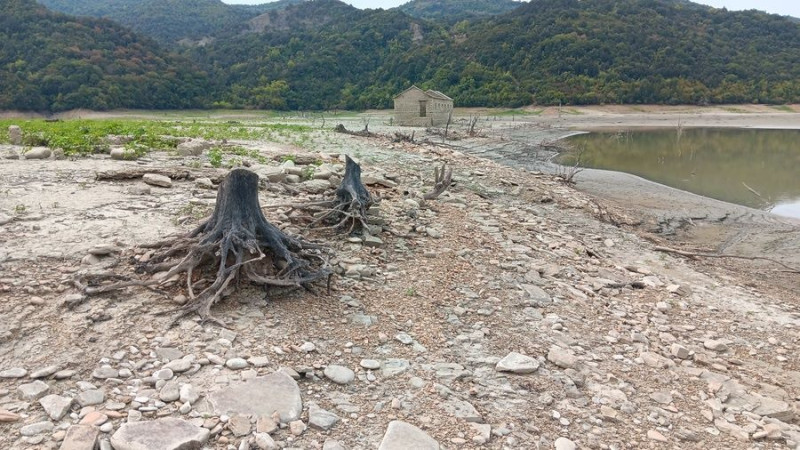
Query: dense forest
[[324, 54], [452, 11], [52, 62], [170, 21]]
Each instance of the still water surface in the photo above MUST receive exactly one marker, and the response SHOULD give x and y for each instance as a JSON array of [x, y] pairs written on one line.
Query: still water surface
[[756, 168]]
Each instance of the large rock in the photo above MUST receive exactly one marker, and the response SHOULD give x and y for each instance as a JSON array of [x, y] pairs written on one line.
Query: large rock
[[403, 436], [80, 437], [162, 434], [33, 391], [315, 186], [262, 396]]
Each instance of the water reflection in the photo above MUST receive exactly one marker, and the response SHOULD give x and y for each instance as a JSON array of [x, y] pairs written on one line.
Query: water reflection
[[756, 168]]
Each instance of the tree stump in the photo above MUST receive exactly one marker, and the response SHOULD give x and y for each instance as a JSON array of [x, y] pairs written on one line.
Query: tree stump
[[236, 242], [348, 210]]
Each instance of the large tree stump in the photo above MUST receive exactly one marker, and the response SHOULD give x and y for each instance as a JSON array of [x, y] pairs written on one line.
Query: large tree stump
[[236, 242]]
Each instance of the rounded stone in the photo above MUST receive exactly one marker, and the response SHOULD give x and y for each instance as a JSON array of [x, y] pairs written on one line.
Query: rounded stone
[[339, 374]]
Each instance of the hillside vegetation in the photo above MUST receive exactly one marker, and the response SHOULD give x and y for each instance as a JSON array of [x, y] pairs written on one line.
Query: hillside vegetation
[[325, 54], [54, 62], [455, 10]]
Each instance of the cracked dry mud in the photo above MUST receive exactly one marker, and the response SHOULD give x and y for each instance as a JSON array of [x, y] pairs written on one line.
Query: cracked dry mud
[[507, 265]]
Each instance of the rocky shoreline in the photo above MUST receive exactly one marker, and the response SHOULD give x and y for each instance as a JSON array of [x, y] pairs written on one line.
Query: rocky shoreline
[[508, 313]]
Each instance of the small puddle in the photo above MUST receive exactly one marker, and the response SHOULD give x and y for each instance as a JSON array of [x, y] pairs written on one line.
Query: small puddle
[[752, 167]]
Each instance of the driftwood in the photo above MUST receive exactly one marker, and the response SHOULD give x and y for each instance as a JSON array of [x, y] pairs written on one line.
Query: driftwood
[[363, 133], [215, 175], [442, 180], [693, 255], [235, 243]]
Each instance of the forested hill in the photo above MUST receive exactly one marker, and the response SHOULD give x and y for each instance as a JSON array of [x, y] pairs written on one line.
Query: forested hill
[[455, 10], [543, 52], [171, 21], [51, 62], [322, 54]]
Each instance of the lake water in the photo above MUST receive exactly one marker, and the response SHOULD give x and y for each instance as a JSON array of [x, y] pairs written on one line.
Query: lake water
[[756, 168]]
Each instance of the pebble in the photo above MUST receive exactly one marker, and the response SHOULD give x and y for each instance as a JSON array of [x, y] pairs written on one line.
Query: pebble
[[679, 351], [56, 406], [297, 427], [44, 372], [404, 338], [178, 365], [36, 428], [339, 374], [157, 180], [370, 364], [236, 363], [64, 374], [188, 394], [259, 361], [563, 443], [103, 373], [308, 347], [562, 358], [90, 397], [16, 372], [517, 363], [716, 345], [321, 419], [655, 435]]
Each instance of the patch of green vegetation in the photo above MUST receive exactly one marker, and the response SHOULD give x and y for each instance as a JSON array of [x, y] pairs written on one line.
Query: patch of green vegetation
[[784, 108], [215, 157], [83, 136], [518, 112]]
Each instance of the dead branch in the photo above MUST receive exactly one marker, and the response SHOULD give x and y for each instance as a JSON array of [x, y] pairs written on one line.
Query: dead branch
[[442, 180], [363, 133], [693, 255]]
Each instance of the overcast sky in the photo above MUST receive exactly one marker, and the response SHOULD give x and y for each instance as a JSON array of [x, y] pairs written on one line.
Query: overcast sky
[[783, 7]]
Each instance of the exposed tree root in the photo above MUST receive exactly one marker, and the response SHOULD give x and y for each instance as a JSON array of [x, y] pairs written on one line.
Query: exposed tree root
[[442, 181], [235, 243]]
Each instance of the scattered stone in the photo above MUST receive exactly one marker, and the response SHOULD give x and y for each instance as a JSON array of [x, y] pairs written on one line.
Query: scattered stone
[[265, 442], [102, 373], [193, 147], [297, 427], [655, 435], [517, 363], [38, 153], [679, 351], [308, 347], [8, 416], [260, 396], [55, 406], [90, 397], [315, 186], [15, 135], [716, 345], [44, 372], [37, 428], [33, 391], [161, 434], [16, 372], [461, 410], [339, 374], [188, 394], [562, 358], [330, 444], [732, 429], [321, 419], [662, 397], [154, 179], [170, 392], [372, 241], [121, 154], [178, 365], [393, 367], [64, 374], [655, 360], [259, 361], [370, 364], [563, 443], [80, 437], [239, 425], [236, 363], [403, 436], [163, 374]]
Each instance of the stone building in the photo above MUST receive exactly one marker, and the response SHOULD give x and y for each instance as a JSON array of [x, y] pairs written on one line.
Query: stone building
[[417, 108]]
